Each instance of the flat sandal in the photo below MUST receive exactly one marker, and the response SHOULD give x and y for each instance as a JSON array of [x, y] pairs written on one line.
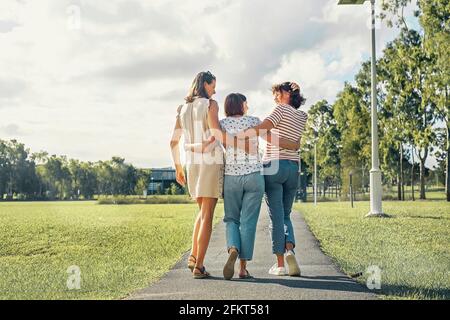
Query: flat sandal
[[203, 273], [191, 262], [246, 276]]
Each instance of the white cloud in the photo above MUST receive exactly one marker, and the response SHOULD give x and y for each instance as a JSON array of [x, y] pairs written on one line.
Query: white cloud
[[311, 71]]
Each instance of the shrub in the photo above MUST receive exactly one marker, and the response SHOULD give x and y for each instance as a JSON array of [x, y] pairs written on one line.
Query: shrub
[[120, 200]]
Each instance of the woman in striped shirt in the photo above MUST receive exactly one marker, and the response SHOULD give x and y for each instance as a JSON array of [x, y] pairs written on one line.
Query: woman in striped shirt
[[281, 169]]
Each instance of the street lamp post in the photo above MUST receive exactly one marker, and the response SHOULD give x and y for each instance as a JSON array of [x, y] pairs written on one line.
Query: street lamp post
[[375, 173], [351, 187], [315, 173]]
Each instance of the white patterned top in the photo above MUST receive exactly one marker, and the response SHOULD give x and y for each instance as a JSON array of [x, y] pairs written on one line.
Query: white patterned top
[[237, 162]]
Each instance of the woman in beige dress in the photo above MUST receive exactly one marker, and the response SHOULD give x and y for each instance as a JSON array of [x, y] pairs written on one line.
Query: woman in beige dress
[[204, 169]]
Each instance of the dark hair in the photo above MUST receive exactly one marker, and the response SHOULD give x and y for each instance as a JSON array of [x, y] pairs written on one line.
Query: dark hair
[[297, 99], [198, 86], [234, 104], [244, 98]]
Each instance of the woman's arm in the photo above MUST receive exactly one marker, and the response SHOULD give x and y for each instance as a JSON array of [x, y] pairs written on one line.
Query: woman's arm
[[204, 147], [275, 140], [264, 131], [175, 148], [264, 127], [261, 129]]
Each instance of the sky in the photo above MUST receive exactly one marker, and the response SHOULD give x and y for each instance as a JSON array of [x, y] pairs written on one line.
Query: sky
[[96, 79]]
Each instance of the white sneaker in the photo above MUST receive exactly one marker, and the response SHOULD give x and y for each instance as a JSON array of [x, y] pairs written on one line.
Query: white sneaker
[[277, 271], [294, 269]]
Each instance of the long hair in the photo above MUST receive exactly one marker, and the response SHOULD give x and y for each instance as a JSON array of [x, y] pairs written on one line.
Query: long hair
[[198, 86], [296, 98]]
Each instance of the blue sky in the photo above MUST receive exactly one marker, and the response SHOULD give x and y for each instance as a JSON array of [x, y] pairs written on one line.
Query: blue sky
[[95, 79]]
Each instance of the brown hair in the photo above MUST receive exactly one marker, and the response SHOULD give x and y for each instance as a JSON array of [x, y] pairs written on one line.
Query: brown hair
[[234, 104], [297, 99], [198, 86]]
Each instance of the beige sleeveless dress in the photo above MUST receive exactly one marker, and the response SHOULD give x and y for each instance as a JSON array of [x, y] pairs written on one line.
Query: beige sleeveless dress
[[204, 170]]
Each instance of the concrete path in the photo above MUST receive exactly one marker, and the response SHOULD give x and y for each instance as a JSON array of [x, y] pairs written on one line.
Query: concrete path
[[320, 278]]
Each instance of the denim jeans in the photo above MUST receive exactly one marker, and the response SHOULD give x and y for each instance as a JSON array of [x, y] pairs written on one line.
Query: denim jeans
[[242, 201], [281, 189]]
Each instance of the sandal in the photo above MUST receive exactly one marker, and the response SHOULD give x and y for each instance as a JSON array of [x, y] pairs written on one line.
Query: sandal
[[246, 276], [191, 263], [228, 269], [203, 273]]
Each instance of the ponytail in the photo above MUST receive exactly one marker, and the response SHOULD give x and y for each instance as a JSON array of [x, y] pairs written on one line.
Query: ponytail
[[297, 99]]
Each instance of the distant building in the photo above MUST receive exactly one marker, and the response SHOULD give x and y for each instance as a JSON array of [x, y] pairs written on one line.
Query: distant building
[[161, 179]]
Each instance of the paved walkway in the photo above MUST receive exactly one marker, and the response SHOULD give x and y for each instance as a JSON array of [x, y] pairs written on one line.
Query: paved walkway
[[320, 278]]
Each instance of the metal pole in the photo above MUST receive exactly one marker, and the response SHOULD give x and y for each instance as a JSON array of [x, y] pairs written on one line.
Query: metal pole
[[412, 173], [375, 173], [299, 182], [402, 176], [315, 173], [351, 189]]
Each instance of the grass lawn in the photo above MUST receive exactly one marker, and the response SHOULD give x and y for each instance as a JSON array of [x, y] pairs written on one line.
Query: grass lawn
[[117, 248], [412, 248]]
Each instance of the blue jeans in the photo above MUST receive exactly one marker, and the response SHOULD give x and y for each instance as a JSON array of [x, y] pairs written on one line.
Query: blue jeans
[[242, 201], [281, 189]]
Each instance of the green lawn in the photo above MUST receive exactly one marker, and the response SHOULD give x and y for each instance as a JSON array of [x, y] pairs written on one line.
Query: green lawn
[[117, 248], [412, 248]]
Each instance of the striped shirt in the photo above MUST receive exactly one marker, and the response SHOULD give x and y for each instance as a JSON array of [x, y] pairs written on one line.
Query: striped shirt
[[289, 123]]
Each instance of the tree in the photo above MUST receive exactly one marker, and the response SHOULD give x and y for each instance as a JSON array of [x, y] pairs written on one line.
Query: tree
[[116, 177], [422, 117], [322, 129], [17, 170], [4, 167], [441, 155], [88, 180], [83, 179], [174, 190], [352, 120], [393, 12], [395, 112], [40, 158], [57, 175], [143, 176], [76, 173], [434, 19], [40, 176]]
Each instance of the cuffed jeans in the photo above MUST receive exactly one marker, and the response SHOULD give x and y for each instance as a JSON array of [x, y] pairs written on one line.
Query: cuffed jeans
[[281, 189], [242, 201]]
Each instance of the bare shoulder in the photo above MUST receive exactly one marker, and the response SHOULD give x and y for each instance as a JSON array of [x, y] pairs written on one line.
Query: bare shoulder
[[213, 105]]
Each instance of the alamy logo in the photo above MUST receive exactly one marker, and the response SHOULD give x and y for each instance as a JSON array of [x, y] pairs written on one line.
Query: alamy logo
[[74, 279], [73, 17], [374, 279]]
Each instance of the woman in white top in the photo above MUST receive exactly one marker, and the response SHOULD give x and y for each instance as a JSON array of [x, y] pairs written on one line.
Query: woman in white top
[[204, 170]]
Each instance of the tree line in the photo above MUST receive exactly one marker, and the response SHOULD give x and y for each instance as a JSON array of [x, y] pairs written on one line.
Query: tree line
[[40, 176], [413, 109]]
